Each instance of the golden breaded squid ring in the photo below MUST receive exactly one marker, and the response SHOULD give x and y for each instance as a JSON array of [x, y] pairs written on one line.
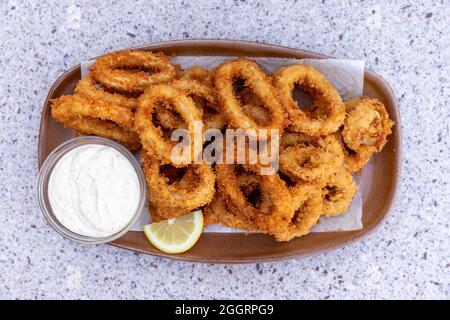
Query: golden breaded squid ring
[[365, 131], [266, 218], [366, 125], [254, 107], [195, 189], [197, 73], [249, 184], [327, 113], [290, 138], [218, 212], [307, 200], [312, 162], [96, 117], [151, 136], [353, 161], [168, 119], [205, 99], [158, 212], [110, 70], [194, 88], [87, 87], [226, 213], [338, 193], [259, 83]]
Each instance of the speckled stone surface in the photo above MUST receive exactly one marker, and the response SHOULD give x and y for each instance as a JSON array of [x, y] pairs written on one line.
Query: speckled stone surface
[[408, 43]]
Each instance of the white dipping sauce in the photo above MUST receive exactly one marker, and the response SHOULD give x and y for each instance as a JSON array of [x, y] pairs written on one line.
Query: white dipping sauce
[[94, 190]]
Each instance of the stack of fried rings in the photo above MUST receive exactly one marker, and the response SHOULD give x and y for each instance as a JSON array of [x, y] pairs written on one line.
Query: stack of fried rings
[[139, 97]]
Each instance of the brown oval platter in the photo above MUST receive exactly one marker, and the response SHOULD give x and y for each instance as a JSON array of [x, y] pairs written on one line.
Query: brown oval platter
[[378, 190]]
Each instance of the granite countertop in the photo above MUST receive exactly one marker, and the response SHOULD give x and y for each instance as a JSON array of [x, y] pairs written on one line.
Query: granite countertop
[[407, 42]]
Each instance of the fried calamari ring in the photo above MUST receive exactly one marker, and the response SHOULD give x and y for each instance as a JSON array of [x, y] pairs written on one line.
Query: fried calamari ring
[[205, 99], [353, 161], [258, 82], [258, 155], [96, 117], [290, 138], [197, 73], [213, 120], [111, 70], [258, 113], [367, 125], [158, 212], [266, 219], [193, 190], [338, 193], [307, 200], [218, 212], [312, 162], [254, 107], [327, 113], [196, 89], [167, 118], [249, 184], [87, 87], [151, 136], [365, 131]]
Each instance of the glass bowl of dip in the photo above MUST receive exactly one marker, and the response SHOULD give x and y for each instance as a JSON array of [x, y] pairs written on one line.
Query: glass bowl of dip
[[91, 189]]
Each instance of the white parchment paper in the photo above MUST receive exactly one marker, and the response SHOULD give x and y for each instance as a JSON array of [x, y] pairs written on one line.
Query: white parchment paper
[[347, 76]]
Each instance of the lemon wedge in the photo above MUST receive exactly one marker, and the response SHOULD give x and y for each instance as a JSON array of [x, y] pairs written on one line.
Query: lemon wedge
[[175, 235]]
